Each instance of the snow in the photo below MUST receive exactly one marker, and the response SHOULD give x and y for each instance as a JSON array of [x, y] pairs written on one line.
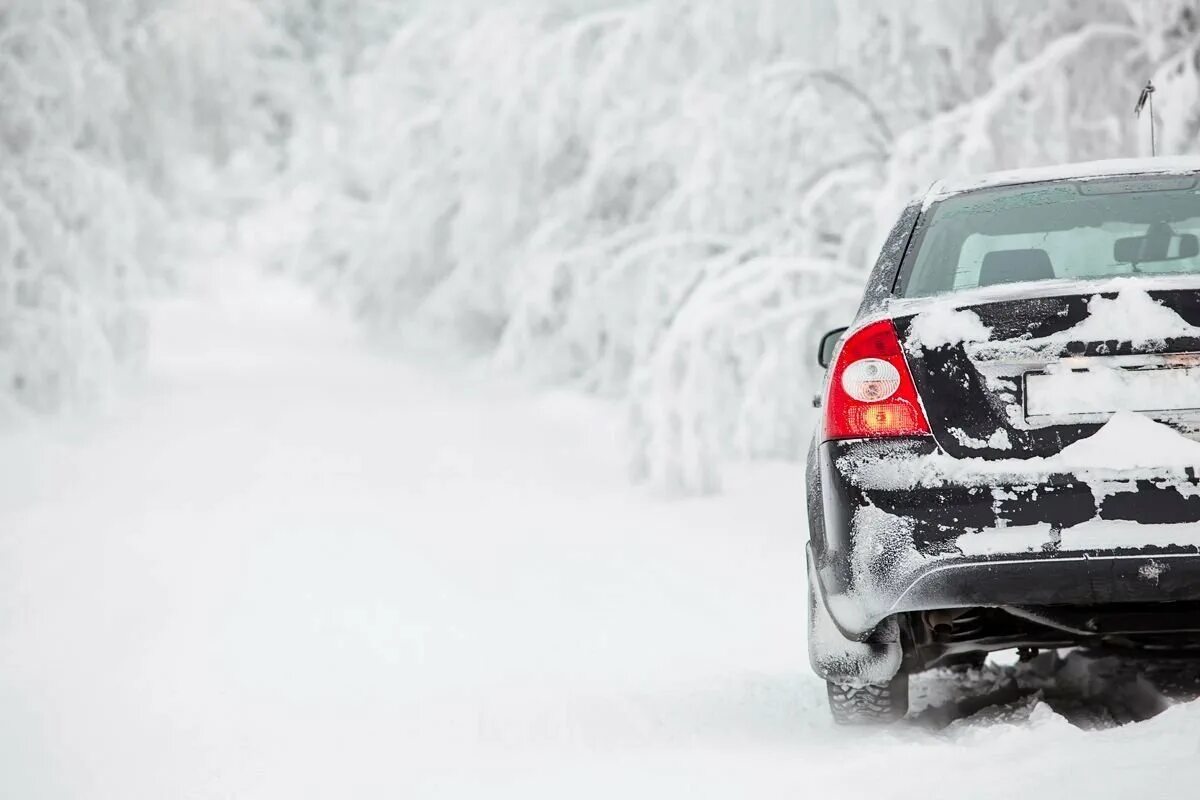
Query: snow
[[944, 325], [1127, 443], [1087, 170], [884, 558], [1133, 314], [1131, 441], [293, 567], [1004, 541], [1107, 388], [1058, 287], [1096, 534], [998, 440], [1091, 535], [859, 662], [1153, 571]]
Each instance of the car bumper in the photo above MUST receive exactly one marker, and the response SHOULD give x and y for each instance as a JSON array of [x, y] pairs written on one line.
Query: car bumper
[[891, 543]]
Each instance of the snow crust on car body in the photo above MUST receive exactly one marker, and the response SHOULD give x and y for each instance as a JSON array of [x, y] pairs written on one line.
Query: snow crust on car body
[[1129, 323], [940, 305], [894, 560], [849, 661], [1094, 534], [1129, 446], [998, 440], [944, 325], [1022, 290], [1141, 321], [1087, 170], [908, 576]]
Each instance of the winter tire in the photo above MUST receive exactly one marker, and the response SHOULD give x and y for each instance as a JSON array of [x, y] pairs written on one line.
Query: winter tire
[[869, 704]]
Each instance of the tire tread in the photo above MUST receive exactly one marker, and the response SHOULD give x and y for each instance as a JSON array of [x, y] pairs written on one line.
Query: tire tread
[[869, 704]]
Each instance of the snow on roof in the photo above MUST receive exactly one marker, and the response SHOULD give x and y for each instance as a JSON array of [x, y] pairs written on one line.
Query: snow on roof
[[1085, 170]]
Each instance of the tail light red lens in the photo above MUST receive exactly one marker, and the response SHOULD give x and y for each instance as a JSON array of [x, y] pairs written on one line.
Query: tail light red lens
[[871, 394]]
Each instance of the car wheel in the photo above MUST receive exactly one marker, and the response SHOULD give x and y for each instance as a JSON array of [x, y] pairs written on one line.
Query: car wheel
[[869, 704]]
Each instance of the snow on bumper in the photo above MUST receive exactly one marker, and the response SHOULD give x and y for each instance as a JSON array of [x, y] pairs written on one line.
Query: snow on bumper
[[899, 537]]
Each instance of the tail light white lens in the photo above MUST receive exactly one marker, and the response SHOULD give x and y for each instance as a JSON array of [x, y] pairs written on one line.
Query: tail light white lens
[[870, 380]]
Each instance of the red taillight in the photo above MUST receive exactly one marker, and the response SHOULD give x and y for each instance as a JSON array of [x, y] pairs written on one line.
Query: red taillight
[[871, 394]]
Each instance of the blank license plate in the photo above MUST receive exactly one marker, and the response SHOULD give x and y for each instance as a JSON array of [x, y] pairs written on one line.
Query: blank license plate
[[1101, 391]]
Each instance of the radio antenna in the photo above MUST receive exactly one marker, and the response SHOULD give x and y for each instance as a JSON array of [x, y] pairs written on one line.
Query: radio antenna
[[1147, 97]]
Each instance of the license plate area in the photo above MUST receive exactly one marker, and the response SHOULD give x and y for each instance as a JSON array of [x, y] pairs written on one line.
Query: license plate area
[[1100, 390]]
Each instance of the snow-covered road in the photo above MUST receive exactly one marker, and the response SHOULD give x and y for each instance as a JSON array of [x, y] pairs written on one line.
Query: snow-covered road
[[292, 568]]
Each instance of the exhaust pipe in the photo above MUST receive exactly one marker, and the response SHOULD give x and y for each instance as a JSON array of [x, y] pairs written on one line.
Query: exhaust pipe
[[941, 622]]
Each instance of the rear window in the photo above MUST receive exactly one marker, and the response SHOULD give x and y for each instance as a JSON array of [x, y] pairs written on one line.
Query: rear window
[[1079, 230]]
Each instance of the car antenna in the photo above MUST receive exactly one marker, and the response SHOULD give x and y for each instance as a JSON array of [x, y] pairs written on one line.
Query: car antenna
[[1147, 96]]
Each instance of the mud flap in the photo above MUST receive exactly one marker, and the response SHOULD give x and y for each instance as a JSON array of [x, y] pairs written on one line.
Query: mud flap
[[876, 660]]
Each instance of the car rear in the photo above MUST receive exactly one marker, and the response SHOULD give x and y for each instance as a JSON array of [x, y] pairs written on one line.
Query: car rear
[[1009, 449]]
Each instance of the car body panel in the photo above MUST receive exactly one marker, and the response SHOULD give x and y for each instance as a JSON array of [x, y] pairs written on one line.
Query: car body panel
[[974, 392], [886, 548]]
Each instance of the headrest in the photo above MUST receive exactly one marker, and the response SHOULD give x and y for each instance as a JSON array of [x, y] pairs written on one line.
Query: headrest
[[1011, 266]]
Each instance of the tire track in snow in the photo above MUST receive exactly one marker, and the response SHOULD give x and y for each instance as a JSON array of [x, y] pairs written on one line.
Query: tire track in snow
[[1092, 691], [296, 569]]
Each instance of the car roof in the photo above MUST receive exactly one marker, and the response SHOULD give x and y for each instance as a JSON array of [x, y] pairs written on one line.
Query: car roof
[[1109, 168]]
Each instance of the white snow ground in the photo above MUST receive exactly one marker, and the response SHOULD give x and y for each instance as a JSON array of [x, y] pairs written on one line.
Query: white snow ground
[[290, 568]]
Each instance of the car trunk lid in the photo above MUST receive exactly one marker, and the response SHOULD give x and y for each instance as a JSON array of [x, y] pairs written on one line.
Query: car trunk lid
[[1024, 373]]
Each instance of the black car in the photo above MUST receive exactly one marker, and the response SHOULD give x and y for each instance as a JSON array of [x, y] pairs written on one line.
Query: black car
[[1008, 455]]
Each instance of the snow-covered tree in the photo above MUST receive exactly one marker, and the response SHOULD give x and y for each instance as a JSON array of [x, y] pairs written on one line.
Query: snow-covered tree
[[661, 201], [72, 250], [668, 201]]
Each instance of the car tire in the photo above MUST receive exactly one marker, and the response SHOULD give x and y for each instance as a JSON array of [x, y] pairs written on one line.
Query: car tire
[[869, 704]]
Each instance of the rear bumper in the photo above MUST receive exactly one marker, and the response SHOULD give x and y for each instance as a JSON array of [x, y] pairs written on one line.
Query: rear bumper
[[887, 545]]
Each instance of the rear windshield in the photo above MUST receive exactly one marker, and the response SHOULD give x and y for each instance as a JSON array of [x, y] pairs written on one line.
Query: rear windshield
[[1065, 229]]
